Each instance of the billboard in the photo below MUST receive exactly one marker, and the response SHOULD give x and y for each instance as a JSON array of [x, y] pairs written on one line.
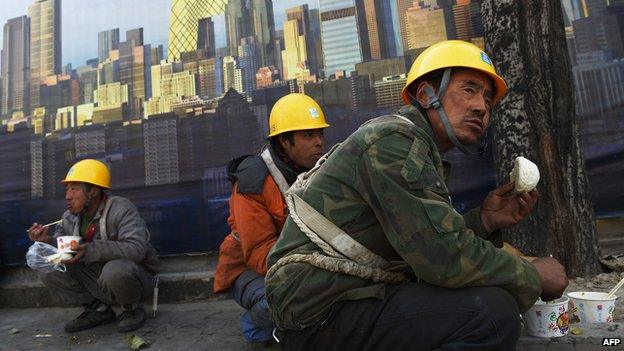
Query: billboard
[[166, 92]]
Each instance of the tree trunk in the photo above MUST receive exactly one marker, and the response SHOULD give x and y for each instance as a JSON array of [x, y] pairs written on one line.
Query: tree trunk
[[538, 120]]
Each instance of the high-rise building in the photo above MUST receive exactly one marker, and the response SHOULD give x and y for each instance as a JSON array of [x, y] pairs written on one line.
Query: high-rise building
[[602, 31], [295, 48], [232, 75], [341, 26], [305, 23], [160, 137], [134, 70], [572, 10], [599, 82], [90, 140], [14, 69], [468, 20], [251, 18], [249, 56], [111, 95], [388, 91], [379, 28], [379, 69], [184, 24], [45, 44], [392, 30], [402, 7], [316, 65], [87, 76], [207, 78], [206, 37], [107, 40], [425, 27]]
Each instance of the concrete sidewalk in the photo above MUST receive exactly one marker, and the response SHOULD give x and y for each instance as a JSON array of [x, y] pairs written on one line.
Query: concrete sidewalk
[[207, 325]]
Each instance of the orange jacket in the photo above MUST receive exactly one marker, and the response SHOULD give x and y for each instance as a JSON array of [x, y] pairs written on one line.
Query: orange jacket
[[257, 219]]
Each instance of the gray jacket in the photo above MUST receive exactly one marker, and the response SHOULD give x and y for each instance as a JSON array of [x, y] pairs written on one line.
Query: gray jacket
[[127, 236]]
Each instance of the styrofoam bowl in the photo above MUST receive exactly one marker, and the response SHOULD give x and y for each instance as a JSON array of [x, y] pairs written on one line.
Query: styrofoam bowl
[[591, 307], [547, 319]]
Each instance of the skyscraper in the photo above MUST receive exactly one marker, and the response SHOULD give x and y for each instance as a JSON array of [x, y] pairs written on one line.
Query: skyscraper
[[601, 31], [107, 40], [343, 46], [184, 23], [402, 6], [14, 70], [249, 56], [206, 37], [45, 44], [468, 20], [232, 75], [251, 18], [425, 27], [295, 47], [307, 24]]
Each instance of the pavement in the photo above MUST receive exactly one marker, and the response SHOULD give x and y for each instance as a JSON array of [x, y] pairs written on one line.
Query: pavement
[[207, 325], [190, 317]]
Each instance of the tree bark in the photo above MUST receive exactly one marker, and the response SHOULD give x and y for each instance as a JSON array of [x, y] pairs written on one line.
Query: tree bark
[[538, 120]]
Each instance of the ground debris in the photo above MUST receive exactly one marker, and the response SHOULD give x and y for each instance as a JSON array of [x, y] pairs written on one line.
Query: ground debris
[[13, 331], [136, 342]]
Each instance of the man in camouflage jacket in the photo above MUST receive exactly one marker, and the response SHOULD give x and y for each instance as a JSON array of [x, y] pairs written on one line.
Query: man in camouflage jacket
[[385, 186]]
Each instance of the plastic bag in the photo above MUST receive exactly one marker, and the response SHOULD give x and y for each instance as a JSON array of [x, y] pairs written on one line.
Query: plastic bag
[[45, 258]]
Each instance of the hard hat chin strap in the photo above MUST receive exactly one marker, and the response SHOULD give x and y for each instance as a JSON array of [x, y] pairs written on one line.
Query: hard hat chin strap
[[435, 101]]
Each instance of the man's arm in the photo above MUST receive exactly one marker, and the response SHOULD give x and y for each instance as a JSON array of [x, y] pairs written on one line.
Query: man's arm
[[258, 218], [400, 182]]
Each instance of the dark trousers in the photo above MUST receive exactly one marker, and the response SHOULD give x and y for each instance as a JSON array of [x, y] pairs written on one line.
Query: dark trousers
[[415, 316], [118, 281], [248, 292]]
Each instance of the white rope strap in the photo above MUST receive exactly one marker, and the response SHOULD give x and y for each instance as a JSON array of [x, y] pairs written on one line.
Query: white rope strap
[[327, 249], [338, 265]]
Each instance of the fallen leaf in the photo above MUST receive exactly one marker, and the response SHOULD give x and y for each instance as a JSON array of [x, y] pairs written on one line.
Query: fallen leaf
[[136, 342], [13, 331], [576, 330]]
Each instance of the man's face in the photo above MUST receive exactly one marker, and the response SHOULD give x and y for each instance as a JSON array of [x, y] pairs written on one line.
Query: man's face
[[75, 197], [307, 147], [467, 103]]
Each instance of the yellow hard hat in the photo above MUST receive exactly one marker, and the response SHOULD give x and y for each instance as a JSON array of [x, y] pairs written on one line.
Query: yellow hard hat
[[89, 171], [295, 112], [453, 53]]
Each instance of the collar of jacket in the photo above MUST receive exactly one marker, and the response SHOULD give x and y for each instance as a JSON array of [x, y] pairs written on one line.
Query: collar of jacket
[[287, 170], [410, 112]]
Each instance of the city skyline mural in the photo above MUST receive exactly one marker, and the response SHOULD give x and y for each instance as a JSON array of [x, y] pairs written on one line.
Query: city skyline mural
[[166, 92]]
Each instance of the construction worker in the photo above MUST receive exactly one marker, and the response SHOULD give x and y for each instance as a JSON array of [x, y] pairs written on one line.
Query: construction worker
[[374, 257], [115, 264], [257, 207]]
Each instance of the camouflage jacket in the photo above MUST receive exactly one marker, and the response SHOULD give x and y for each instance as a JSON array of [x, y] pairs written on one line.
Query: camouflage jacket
[[384, 186]]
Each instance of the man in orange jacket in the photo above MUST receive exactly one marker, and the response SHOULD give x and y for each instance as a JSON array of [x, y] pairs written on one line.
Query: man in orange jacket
[[258, 209]]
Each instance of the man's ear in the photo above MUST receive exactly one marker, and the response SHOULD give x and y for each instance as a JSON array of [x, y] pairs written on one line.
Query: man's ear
[[284, 142], [421, 94]]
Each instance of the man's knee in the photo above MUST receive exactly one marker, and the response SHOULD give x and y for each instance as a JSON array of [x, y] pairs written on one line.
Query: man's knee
[[54, 279], [260, 314], [500, 308], [117, 273]]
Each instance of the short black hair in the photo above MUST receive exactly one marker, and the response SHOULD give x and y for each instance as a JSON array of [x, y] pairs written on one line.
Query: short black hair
[[275, 141]]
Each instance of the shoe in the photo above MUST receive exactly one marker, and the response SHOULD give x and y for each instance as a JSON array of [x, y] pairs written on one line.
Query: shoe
[[131, 319], [90, 318]]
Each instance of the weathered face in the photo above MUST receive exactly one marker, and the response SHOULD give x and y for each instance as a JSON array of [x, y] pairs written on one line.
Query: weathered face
[[467, 103], [307, 147], [75, 197]]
